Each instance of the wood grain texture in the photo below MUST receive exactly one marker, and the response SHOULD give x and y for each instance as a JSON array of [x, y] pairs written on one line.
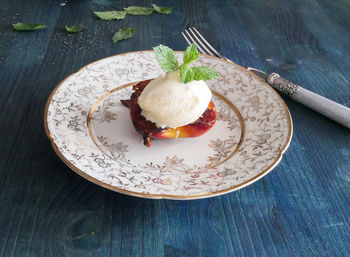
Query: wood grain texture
[[302, 208]]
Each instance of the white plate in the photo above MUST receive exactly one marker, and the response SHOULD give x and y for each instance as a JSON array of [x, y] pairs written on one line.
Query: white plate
[[92, 133]]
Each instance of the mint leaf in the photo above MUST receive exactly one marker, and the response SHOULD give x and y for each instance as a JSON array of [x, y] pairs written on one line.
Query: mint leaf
[[111, 15], [28, 26], [122, 34], [166, 58], [186, 73], [191, 54], [74, 29], [139, 10], [162, 10], [204, 73]]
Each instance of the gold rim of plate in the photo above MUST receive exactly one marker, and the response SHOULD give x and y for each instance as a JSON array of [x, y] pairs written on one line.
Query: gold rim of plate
[[169, 196]]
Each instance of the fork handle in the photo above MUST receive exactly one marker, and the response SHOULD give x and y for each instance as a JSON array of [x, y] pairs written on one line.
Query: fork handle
[[320, 104]]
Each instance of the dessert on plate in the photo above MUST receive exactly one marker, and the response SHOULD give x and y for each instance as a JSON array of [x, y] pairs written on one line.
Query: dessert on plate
[[177, 104]]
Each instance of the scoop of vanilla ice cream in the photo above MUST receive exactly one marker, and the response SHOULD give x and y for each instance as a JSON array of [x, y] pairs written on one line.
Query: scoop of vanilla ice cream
[[168, 102]]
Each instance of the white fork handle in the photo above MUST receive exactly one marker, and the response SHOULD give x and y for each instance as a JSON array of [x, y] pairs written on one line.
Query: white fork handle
[[320, 104]]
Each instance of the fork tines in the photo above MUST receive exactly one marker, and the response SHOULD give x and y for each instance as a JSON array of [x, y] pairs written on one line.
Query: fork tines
[[192, 35]]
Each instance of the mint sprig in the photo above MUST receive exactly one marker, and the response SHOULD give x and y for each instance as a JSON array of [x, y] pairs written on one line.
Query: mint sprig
[[167, 61]]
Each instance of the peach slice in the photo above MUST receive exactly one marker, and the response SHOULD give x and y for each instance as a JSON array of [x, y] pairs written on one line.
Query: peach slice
[[149, 129]]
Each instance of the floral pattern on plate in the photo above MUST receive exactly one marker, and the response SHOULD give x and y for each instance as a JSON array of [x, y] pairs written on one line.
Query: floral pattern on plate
[[112, 131], [253, 130]]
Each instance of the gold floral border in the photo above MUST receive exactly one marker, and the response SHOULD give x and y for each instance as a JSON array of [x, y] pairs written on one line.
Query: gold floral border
[[166, 196]]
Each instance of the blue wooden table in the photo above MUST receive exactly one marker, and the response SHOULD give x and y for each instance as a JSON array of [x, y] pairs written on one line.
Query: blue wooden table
[[301, 208]]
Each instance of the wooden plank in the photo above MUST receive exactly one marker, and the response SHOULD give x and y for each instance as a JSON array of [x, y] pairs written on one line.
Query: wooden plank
[[299, 209]]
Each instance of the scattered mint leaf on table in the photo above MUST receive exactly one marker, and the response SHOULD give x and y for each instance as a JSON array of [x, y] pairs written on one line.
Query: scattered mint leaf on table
[[74, 29], [28, 26], [139, 10], [122, 34], [111, 15], [162, 10], [167, 61], [166, 58]]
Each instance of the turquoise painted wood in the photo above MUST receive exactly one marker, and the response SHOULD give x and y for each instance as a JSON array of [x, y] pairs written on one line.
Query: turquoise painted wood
[[301, 208]]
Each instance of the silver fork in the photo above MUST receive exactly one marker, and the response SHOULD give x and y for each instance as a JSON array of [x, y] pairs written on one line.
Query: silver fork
[[320, 104], [190, 34]]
